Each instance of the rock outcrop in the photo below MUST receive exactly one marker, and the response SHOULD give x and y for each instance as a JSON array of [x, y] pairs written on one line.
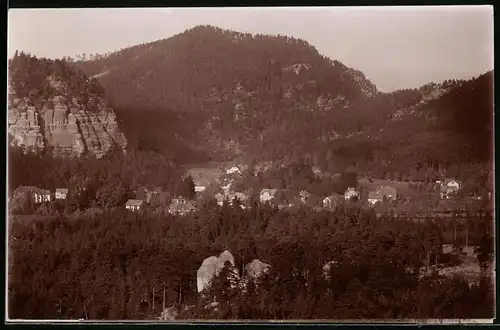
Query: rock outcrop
[[256, 268], [169, 314], [327, 268], [52, 104], [211, 267], [24, 126], [63, 124]]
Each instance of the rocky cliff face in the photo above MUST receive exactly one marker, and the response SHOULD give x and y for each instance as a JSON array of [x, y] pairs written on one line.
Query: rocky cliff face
[[63, 123]]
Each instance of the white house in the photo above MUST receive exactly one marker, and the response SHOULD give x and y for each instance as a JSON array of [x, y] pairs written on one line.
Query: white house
[[41, 196], [61, 193], [220, 199], [267, 195], [134, 204], [304, 195], [452, 183], [375, 197], [449, 187], [233, 170], [331, 201], [350, 193], [199, 188]]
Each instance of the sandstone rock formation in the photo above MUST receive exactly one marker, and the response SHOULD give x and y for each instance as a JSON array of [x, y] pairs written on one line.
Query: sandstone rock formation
[[64, 124], [24, 124], [211, 267]]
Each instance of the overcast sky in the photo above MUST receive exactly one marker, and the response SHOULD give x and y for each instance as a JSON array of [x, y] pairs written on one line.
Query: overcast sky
[[397, 47]]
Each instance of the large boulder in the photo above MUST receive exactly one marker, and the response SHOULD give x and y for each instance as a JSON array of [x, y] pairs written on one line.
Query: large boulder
[[169, 314], [256, 268], [327, 268], [211, 267]]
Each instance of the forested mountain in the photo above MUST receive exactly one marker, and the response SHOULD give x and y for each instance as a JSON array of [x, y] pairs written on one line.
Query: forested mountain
[[448, 132], [236, 90], [211, 92]]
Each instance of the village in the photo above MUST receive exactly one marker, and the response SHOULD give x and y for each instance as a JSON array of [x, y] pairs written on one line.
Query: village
[[227, 185], [224, 185]]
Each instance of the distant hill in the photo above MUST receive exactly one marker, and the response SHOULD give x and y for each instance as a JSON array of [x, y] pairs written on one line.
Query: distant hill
[[53, 105], [213, 94], [450, 129]]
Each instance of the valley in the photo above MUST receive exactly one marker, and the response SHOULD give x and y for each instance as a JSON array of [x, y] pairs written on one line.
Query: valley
[[283, 181]]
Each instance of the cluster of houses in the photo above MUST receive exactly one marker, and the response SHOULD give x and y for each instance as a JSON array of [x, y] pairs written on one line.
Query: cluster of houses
[[283, 198], [385, 192], [145, 197], [39, 195]]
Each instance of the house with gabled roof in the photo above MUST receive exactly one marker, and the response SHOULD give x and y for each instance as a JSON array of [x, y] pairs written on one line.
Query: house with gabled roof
[[61, 193], [449, 187], [351, 193], [330, 202], [377, 196], [449, 182], [37, 195], [267, 195], [41, 196], [235, 169], [180, 206], [134, 204]]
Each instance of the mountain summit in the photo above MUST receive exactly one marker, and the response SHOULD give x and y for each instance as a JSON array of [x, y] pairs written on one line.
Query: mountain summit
[[183, 69]]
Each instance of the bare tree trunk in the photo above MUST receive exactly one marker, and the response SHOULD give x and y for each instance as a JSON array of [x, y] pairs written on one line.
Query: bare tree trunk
[[428, 258], [163, 297], [153, 299], [466, 236]]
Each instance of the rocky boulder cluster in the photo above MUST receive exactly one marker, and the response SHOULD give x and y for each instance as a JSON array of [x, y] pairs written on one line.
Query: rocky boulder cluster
[[212, 266]]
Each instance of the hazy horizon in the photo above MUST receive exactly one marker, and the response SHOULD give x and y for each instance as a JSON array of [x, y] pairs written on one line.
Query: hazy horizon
[[395, 47]]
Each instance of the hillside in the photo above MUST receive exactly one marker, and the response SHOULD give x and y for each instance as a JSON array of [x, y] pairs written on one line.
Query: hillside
[[449, 130], [212, 94], [239, 91], [52, 105]]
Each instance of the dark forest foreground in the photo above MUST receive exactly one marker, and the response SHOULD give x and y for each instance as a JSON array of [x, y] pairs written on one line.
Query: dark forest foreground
[[108, 265]]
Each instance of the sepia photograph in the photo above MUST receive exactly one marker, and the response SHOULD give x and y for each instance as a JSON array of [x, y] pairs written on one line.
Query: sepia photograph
[[239, 164]]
